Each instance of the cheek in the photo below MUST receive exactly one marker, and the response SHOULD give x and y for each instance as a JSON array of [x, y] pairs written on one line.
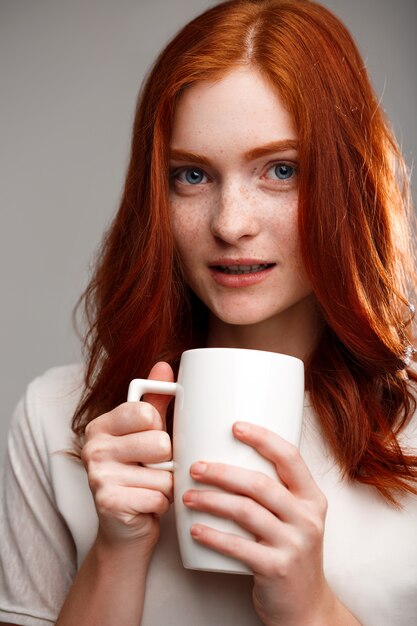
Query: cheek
[[187, 222], [288, 239], [286, 225], [294, 239], [294, 247]]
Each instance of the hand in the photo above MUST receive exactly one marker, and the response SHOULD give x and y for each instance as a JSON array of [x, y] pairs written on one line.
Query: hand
[[128, 497], [286, 518]]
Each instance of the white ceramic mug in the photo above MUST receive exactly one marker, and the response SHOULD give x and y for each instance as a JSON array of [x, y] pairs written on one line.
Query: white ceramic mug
[[217, 387]]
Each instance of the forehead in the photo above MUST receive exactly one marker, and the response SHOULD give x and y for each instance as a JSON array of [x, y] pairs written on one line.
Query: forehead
[[242, 104]]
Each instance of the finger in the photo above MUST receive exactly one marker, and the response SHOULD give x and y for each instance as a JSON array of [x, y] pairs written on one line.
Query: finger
[[269, 493], [247, 513], [290, 466], [127, 501], [130, 476], [129, 417], [259, 558], [160, 371], [149, 446]]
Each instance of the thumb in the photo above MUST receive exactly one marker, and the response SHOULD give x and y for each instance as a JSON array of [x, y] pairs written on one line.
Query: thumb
[[160, 371]]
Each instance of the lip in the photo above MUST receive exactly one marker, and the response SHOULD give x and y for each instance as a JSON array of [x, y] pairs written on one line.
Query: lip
[[240, 280]]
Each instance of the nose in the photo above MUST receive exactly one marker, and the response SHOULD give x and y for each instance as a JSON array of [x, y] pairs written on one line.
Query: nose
[[234, 215]]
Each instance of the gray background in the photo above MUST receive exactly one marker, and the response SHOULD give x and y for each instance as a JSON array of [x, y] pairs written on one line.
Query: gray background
[[69, 76]]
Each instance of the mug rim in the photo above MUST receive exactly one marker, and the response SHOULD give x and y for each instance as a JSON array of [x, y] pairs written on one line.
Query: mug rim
[[229, 349]]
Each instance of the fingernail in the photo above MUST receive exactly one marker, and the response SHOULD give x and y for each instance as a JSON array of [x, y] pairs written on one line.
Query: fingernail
[[198, 468], [196, 531], [239, 428], [188, 498]]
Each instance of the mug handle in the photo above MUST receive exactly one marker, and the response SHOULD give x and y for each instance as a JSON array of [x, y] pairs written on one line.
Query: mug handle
[[137, 388]]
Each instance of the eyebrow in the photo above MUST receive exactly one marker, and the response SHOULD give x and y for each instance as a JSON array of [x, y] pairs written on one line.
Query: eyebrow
[[183, 155], [275, 146]]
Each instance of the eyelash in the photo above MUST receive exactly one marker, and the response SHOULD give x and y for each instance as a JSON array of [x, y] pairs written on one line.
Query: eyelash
[[175, 174]]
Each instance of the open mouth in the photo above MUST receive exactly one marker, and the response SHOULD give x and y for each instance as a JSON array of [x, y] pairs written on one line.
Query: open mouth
[[242, 269]]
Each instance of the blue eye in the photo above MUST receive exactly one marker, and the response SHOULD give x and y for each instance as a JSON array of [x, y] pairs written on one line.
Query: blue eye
[[283, 171], [191, 176]]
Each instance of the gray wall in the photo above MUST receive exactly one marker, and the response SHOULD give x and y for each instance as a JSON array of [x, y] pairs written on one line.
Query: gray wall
[[69, 76]]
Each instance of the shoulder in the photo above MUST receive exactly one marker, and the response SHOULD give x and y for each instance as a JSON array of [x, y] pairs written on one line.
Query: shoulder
[[46, 409], [57, 385], [36, 541], [39, 456]]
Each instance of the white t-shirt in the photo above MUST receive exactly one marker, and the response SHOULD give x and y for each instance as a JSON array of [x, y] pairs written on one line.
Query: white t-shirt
[[48, 523]]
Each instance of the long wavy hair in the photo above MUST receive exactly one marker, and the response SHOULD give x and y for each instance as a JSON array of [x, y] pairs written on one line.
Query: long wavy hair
[[354, 216]]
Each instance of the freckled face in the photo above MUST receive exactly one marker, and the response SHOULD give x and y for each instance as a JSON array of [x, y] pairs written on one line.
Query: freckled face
[[233, 195]]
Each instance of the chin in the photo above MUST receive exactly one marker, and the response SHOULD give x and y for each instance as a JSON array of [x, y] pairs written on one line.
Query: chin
[[242, 318]]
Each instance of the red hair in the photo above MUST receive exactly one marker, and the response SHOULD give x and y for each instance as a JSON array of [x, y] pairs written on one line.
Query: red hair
[[353, 223]]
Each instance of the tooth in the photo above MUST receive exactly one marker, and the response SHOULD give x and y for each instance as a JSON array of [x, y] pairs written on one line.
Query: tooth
[[243, 269]]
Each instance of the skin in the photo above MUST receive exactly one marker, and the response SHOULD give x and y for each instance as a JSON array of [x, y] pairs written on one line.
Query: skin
[[243, 210]]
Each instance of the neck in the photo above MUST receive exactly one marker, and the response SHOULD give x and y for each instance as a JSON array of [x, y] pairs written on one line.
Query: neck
[[294, 332]]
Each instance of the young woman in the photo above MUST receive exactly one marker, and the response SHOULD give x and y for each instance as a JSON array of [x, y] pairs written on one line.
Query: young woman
[[265, 207]]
